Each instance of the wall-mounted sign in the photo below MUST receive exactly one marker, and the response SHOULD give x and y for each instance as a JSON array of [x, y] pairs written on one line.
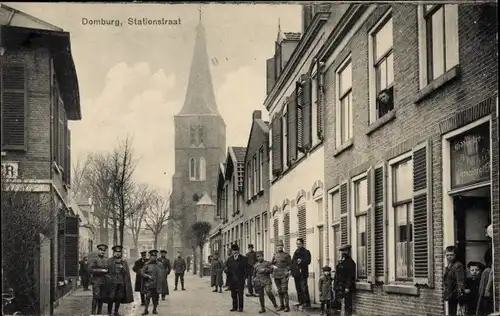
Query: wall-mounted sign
[[470, 157], [10, 169]]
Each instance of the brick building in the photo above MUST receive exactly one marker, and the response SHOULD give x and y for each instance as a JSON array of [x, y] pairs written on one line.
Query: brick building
[[411, 146], [39, 90]]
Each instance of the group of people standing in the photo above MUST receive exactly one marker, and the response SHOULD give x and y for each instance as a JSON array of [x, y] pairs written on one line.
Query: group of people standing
[[258, 274]]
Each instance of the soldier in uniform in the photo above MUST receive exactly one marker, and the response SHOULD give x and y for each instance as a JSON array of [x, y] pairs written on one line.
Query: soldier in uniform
[[138, 265], [262, 280], [252, 260], [120, 285], [282, 264], [99, 271], [344, 281], [165, 263], [153, 274], [179, 270]]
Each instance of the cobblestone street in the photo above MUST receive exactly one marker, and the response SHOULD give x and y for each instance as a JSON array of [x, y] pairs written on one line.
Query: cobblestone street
[[198, 299]]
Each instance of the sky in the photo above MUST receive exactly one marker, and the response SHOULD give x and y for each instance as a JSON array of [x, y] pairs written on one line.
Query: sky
[[133, 79]]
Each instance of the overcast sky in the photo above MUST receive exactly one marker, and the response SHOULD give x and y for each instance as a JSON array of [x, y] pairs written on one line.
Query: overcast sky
[[133, 79]]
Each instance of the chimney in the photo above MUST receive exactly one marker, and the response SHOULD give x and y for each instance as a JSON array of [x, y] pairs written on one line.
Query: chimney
[[288, 46], [307, 15], [257, 114], [270, 74]]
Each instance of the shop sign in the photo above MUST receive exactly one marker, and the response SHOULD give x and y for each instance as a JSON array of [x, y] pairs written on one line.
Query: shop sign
[[470, 157]]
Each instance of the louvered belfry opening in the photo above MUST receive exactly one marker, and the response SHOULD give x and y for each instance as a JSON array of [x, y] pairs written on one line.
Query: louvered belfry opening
[[286, 228], [301, 214]]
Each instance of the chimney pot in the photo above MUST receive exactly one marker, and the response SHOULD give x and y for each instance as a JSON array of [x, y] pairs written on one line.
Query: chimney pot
[[257, 114]]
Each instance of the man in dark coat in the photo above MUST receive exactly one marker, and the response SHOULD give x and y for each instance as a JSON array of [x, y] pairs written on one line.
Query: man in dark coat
[[138, 265], [179, 270], [237, 271], [345, 280], [85, 273], [165, 263], [153, 274], [99, 270], [300, 271], [252, 260], [120, 285]]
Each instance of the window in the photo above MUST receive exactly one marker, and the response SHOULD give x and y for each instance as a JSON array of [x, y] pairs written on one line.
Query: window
[[381, 68], [360, 211], [344, 103], [203, 170], [335, 215], [261, 168], [201, 134], [440, 40], [192, 169], [314, 109], [284, 121], [258, 230], [249, 180], [255, 176], [401, 219]]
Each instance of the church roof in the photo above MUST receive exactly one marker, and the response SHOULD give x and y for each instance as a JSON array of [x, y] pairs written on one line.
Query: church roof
[[200, 97]]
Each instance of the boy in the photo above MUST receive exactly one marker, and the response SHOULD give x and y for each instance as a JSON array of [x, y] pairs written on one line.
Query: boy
[[325, 289], [472, 286]]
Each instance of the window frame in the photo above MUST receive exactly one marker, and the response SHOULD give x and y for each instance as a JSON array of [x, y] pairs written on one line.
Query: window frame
[[355, 214], [373, 63], [391, 220], [338, 104], [203, 169], [284, 137], [261, 168], [192, 169], [249, 179], [334, 224], [314, 105], [255, 174]]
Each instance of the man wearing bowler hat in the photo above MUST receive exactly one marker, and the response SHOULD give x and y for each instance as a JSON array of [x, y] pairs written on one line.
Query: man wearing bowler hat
[[344, 284], [120, 285], [99, 271], [237, 271], [138, 265]]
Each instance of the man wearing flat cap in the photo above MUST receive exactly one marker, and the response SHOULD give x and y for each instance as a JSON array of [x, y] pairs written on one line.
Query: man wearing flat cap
[[282, 264], [252, 260], [165, 264], [120, 285], [153, 281], [138, 265], [237, 272], [99, 271], [345, 277]]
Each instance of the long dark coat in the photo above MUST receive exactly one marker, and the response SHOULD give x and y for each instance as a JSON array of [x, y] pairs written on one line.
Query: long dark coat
[[129, 294], [138, 265], [237, 271], [167, 268], [216, 273], [155, 270]]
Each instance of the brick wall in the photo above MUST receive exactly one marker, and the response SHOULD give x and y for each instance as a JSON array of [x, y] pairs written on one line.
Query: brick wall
[[414, 122]]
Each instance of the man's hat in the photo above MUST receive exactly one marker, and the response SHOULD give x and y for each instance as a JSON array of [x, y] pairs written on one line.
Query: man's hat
[[327, 268], [280, 243], [235, 247], [153, 252], [102, 247], [117, 248], [260, 252], [250, 246], [346, 247], [143, 252], [163, 251]]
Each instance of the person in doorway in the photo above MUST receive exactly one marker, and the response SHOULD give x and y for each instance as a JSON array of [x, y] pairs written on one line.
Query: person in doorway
[[262, 281], [252, 260], [325, 289], [217, 269], [300, 271], [282, 264], [237, 271], [165, 263], [138, 265], [179, 270], [153, 275], [99, 271], [472, 286], [188, 263], [485, 301], [344, 281], [120, 285], [85, 273], [453, 280]]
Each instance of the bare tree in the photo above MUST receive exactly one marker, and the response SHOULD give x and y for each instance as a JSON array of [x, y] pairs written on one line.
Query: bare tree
[[139, 202], [157, 215], [201, 231]]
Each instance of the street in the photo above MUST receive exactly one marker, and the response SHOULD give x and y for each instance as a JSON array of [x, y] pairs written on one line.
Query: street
[[198, 299]]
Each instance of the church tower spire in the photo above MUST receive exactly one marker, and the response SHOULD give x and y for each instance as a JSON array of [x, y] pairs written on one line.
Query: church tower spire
[[200, 97]]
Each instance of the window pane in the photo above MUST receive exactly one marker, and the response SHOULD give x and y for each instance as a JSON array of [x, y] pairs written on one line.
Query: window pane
[[336, 206], [336, 243], [361, 246], [403, 177], [437, 44], [349, 112], [314, 91], [319, 205], [345, 79], [383, 40], [383, 75], [344, 108], [390, 69], [451, 35], [361, 196]]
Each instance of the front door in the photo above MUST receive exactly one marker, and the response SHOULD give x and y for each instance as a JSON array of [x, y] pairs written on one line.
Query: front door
[[320, 260]]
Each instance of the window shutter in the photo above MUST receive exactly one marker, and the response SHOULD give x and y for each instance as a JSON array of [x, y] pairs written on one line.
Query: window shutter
[[306, 112], [64, 151], [300, 118], [62, 125], [319, 95], [286, 228], [71, 246], [55, 120], [292, 128], [301, 214], [68, 157], [379, 239], [369, 226], [422, 213], [271, 75], [277, 146], [13, 102], [61, 224], [344, 230]]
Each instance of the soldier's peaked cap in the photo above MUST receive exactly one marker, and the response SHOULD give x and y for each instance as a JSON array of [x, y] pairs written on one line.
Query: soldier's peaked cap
[[260, 252], [117, 248], [163, 251], [235, 247], [250, 246], [153, 252], [102, 246], [143, 252], [279, 243], [346, 247], [327, 268]]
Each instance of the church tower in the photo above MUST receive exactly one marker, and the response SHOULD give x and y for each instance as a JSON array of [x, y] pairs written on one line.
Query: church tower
[[200, 145]]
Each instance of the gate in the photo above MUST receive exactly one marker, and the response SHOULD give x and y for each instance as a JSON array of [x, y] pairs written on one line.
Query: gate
[[45, 271]]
